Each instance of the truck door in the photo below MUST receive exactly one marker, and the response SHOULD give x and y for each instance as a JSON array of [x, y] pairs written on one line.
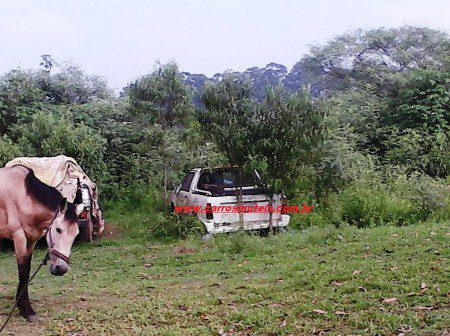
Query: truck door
[[184, 193]]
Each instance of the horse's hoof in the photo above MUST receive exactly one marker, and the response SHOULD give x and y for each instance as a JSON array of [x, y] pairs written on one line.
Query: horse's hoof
[[32, 318]]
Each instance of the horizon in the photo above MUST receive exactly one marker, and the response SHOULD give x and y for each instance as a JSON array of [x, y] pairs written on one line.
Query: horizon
[[121, 41]]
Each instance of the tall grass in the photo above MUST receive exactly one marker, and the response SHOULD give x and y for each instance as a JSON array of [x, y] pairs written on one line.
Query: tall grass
[[140, 214], [389, 198]]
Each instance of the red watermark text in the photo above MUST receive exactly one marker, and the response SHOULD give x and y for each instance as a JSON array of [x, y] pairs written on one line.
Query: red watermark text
[[187, 209]]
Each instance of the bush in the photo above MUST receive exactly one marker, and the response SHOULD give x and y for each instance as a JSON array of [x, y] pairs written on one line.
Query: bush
[[173, 226], [140, 213], [8, 150], [389, 197]]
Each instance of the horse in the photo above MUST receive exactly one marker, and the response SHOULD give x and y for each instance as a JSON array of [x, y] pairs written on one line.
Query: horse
[[30, 209]]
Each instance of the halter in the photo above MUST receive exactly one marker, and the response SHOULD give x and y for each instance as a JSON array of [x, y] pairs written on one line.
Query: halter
[[54, 252]]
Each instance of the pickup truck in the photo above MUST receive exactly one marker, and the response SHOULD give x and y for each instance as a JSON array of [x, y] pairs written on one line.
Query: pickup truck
[[211, 195]]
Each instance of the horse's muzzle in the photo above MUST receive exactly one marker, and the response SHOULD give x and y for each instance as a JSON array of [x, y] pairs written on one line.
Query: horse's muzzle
[[59, 268]]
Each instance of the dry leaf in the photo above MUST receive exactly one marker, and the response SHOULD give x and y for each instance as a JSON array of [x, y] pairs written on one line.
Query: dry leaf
[[390, 300], [424, 308], [423, 285], [319, 311], [337, 283], [338, 312], [356, 272]]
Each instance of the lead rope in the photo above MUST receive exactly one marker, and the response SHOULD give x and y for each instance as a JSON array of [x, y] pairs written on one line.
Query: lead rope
[[43, 263]]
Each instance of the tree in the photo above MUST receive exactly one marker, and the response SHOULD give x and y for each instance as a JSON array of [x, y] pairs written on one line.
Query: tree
[[285, 139], [161, 96], [161, 99], [373, 56], [417, 122], [227, 120]]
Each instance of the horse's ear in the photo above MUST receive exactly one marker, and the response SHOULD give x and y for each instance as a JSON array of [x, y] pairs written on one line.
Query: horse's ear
[[79, 208], [63, 204]]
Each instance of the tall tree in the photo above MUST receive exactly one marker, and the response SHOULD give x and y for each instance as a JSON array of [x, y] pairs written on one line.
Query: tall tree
[[285, 138], [227, 120], [162, 100], [373, 56]]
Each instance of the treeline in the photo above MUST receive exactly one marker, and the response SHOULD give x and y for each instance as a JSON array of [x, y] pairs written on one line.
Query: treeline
[[372, 148]]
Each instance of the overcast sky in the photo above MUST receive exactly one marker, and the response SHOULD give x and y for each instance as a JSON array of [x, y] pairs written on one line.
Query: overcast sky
[[122, 39]]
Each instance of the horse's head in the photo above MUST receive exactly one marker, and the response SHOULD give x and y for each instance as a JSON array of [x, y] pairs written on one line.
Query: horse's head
[[61, 236]]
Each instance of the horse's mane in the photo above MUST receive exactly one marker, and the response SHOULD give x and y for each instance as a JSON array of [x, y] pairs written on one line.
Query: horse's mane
[[48, 196], [41, 192]]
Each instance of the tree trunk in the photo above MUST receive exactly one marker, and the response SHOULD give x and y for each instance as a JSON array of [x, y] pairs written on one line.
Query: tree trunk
[[166, 203], [271, 213], [239, 200]]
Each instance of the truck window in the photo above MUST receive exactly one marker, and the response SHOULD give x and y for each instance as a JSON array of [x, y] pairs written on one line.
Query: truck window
[[187, 182], [226, 178]]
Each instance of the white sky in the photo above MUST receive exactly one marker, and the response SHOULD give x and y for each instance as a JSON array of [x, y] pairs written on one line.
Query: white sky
[[121, 39]]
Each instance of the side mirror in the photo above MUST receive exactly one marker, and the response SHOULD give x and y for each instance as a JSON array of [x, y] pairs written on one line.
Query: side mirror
[[177, 189]]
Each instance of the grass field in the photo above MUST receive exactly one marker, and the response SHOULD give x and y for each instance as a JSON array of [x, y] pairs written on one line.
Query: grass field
[[378, 281]]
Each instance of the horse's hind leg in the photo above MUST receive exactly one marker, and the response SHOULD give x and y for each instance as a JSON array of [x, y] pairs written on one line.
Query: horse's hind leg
[[24, 251]]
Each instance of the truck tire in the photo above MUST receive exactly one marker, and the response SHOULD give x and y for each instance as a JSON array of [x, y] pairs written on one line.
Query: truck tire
[[85, 234]]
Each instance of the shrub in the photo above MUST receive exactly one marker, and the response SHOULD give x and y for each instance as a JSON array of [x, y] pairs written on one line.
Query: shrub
[[139, 212], [8, 150], [392, 197], [388, 196]]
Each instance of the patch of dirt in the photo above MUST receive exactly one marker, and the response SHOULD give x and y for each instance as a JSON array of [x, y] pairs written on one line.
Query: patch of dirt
[[184, 250], [111, 232]]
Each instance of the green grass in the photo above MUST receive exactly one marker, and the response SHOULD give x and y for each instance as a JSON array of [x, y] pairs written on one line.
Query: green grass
[[289, 284]]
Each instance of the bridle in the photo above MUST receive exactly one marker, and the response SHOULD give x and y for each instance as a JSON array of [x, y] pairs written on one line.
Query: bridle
[[54, 252]]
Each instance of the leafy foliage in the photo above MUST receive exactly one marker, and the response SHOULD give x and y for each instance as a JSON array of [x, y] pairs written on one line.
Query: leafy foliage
[[48, 134], [228, 117], [358, 153], [373, 56], [284, 138]]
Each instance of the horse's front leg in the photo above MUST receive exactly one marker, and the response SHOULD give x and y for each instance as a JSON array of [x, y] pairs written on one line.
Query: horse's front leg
[[24, 252]]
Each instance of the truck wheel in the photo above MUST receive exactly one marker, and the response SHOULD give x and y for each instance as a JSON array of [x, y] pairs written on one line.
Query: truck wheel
[[207, 236], [85, 234], [282, 229]]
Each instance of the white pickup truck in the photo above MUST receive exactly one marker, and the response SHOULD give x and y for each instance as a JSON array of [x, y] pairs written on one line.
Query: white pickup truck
[[212, 196]]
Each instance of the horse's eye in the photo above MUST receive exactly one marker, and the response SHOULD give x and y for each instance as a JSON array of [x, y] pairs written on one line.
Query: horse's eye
[[58, 230]]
